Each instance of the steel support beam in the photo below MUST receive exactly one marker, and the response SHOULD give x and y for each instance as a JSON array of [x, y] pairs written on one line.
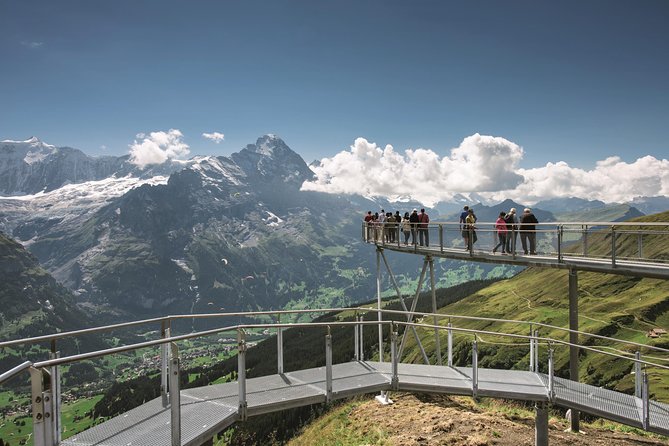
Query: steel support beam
[[404, 307], [378, 300], [164, 359], [413, 307], [435, 319], [541, 424], [573, 339], [175, 396]]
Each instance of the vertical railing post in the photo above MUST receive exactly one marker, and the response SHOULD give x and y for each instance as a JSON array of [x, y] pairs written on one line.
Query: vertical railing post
[[532, 349], [441, 237], [551, 375], [435, 318], [585, 240], [356, 340], [613, 246], [450, 344], [279, 346], [164, 359], [475, 368], [638, 378], [241, 373], [42, 407], [328, 366], [394, 382], [536, 350], [560, 235], [175, 395], [56, 399], [361, 347], [646, 402]]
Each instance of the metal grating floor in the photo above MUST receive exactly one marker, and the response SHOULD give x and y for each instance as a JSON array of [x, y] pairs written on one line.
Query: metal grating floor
[[210, 409]]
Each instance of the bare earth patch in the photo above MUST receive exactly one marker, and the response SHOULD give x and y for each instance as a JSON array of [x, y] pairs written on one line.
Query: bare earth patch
[[439, 420]]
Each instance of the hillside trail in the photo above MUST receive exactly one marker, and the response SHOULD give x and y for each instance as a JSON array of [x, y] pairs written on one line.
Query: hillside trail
[[415, 420]]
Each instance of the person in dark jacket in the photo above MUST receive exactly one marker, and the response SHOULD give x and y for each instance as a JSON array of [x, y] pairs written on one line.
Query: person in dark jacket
[[423, 229], [528, 231], [413, 219]]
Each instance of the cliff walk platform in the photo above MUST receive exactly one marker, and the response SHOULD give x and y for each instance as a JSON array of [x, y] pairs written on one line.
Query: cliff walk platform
[[194, 416]]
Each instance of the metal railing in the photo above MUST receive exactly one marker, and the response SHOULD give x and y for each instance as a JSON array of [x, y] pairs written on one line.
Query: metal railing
[[45, 380], [609, 241]]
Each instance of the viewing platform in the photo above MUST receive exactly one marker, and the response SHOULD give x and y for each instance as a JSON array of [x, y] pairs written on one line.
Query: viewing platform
[[623, 248]]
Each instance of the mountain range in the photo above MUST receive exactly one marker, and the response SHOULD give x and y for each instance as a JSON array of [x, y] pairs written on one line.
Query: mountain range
[[204, 234]]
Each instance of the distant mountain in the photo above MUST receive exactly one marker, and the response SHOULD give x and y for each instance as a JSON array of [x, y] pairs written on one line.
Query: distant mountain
[[570, 204], [490, 213], [32, 303], [651, 205], [607, 212]]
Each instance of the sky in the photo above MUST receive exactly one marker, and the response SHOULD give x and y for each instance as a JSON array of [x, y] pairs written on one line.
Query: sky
[[569, 83]]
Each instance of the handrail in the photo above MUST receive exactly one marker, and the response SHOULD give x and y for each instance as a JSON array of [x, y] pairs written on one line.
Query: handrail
[[538, 324], [111, 327], [15, 371]]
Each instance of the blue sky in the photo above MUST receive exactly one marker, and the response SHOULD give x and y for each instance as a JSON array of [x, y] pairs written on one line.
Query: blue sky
[[571, 80]]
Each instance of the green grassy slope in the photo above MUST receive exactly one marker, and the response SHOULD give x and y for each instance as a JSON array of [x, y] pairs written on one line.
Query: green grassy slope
[[615, 306]]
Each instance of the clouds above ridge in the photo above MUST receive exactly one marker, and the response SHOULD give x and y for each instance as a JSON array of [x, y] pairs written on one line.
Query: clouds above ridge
[[216, 137], [485, 165], [157, 147]]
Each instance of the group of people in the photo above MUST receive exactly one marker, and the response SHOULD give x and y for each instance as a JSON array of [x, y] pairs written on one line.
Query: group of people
[[388, 226]]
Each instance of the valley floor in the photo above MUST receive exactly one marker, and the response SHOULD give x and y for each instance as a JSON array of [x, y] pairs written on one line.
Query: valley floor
[[439, 420]]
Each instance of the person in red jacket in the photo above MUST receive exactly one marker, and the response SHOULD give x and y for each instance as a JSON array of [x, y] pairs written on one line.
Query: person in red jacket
[[423, 231], [500, 227]]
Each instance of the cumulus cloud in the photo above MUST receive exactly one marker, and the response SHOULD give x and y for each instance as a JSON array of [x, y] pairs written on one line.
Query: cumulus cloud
[[480, 164], [157, 147], [215, 136], [484, 165], [32, 44]]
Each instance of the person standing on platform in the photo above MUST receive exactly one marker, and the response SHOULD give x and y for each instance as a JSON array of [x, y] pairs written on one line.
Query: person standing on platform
[[528, 231], [413, 219], [463, 226], [368, 224], [511, 220], [500, 227], [398, 220], [470, 227], [424, 231], [390, 227], [406, 227]]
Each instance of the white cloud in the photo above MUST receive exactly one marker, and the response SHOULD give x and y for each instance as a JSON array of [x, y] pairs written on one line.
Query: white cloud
[[216, 136], [157, 147], [485, 165], [31, 44]]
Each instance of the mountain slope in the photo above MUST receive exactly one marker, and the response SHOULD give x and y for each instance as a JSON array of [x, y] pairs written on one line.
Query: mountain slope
[[616, 306]]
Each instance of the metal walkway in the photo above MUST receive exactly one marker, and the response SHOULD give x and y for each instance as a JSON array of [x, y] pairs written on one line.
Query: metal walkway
[[205, 411], [629, 246]]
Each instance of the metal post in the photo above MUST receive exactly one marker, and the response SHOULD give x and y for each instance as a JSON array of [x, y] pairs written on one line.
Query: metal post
[[56, 401], [413, 308], [356, 340], [613, 246], [378, 301], [573, 339], [637, 375], [435, 318], [164, 355], [279, 347], [328, 366], [541, 424], [450, 345], [42, 426], [532, 369], [536, 350], [394, 382], [551, 375], [241, 373], [585, 241], [559, 242], [441, 237], [175, 395], [362, 339], [475, 368], [646, 402]]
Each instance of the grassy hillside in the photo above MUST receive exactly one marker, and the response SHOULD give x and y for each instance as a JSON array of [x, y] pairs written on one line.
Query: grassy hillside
[[616, 306]]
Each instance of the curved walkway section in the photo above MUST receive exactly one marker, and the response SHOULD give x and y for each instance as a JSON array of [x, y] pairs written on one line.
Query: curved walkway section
[[205, 411]]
